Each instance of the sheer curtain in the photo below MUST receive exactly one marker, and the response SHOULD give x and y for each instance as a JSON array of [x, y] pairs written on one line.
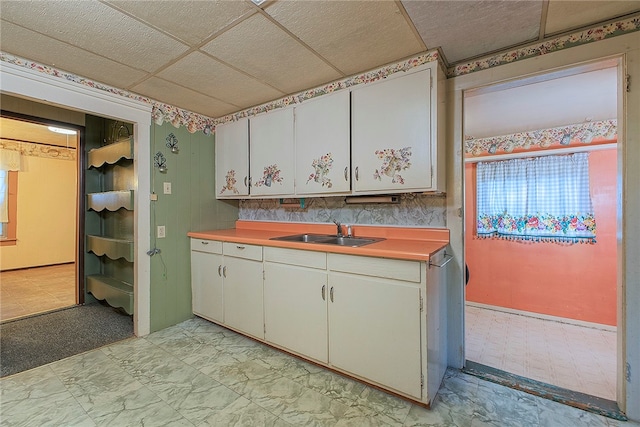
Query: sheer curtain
[[4, 196], [543, 198]]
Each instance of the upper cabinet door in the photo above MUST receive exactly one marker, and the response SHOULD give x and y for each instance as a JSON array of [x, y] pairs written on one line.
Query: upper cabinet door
[[232, 159], [272, 154], [322, 145], [391, 134]]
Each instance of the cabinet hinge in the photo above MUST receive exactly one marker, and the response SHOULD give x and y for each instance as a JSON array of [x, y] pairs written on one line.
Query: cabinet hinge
[[628, 82], [431, 82], [422, 380], [263, 275], [421, 304]]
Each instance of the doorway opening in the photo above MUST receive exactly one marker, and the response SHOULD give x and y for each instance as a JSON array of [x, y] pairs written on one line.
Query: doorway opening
[[40, 195], [542, 288]]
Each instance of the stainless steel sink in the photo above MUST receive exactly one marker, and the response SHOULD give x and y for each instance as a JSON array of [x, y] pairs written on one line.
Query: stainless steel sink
[[350, 241], [326, 239], [307, 238]]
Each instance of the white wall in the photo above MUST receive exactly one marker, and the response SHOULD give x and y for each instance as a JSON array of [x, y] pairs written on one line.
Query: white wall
[[46, 215]]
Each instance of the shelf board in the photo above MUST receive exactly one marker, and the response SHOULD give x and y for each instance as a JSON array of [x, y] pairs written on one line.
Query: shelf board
[[111, 153], [110, 247], [117, 293], [110, 200]]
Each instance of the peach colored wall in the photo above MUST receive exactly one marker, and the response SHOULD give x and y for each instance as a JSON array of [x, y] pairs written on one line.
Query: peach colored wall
[[576, 282]]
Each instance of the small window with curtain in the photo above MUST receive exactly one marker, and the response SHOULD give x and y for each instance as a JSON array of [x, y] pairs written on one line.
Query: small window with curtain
[[4, 203], [10, 164], [543, 198]]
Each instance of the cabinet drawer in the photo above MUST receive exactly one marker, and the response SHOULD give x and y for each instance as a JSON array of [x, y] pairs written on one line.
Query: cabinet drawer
[[241, 250], [296, 257], [377, 267], [209, 246]]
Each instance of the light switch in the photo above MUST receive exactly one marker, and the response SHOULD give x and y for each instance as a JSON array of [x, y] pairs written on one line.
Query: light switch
[[167, 188]]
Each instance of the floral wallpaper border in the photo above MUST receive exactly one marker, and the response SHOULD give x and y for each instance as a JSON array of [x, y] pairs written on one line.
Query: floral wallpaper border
[[601, 32], [160, 112], [37, 150], [194, 122], [606, 131]]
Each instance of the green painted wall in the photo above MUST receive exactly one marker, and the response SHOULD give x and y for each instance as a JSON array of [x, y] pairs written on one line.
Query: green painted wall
[[192, 206]]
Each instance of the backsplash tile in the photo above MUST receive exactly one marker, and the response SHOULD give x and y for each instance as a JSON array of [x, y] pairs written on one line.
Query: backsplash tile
[[412, 211]]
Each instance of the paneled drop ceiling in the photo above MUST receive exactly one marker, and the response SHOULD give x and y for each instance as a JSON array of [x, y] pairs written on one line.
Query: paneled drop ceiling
[[220, 56]]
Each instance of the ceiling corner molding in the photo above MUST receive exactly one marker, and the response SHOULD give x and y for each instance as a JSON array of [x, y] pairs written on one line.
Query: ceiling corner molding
[[348, 82], [158, 111], [601, 32]]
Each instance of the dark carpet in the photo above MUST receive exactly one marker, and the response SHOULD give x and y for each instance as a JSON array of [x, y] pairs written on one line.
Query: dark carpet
[[35, 341]]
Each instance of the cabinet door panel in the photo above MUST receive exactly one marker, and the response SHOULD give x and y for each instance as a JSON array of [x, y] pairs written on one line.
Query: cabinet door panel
[[243, 296], [232, 159], [206, 285], [272, 158], [322, 145], [391, 134], [295, 309], [374, 330]]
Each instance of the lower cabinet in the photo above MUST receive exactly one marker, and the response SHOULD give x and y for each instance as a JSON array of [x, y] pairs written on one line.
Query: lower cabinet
[[295, 301], [226, 284], [367, 317], [375, 331], [243, 296], [206, 279]]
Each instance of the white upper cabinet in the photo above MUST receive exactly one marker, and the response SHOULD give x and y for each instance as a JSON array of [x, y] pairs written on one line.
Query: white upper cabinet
[[383, 137], [232, 159], [393, 134], [272, 154], [322, 132]]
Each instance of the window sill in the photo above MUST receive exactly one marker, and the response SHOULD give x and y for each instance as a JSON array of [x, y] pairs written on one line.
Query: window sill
[[8, 242]]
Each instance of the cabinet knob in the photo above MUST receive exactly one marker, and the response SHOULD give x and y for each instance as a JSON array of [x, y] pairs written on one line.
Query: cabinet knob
[[240, 247], [224, 271], [331, 294], [324, 287], [346, 169], [204, 242], [245, 181], [356, 173], [220, 270]]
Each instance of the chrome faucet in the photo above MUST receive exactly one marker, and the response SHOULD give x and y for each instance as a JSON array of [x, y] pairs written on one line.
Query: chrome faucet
[[339, 234]]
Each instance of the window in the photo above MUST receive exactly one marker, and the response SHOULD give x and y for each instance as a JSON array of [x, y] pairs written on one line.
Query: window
[[8, 206], [541, 199]]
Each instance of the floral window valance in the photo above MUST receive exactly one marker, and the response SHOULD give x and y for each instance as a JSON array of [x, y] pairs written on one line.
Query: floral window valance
[[539, 199]]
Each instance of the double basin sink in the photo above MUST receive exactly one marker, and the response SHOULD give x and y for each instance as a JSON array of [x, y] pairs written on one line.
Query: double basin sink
[[328, 239]]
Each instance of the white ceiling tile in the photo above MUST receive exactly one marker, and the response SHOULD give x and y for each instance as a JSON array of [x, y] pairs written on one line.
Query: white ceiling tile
[[204, 74], [353, 35], [261, 49], [98, 28], [567, 15], [465, 29], [190, 21], [172, 94], [18, 40]]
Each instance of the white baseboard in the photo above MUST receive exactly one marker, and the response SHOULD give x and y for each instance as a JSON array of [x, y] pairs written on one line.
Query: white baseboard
[[582, 323]]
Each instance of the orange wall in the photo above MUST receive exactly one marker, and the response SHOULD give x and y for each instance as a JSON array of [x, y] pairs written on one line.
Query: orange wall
[[576, 282]]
